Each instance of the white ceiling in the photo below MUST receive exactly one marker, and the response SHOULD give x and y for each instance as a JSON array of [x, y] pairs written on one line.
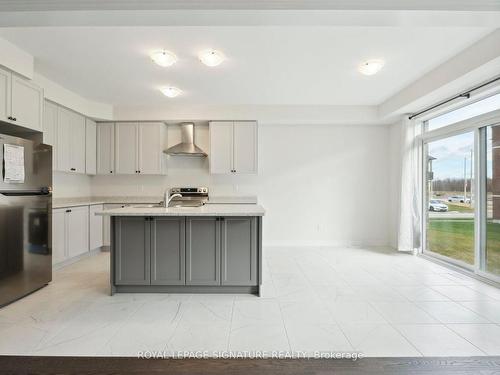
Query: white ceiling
[[44, 5], [271, 65]]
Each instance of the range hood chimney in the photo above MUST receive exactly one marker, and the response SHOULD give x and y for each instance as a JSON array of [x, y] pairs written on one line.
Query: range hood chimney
[[187, 146]]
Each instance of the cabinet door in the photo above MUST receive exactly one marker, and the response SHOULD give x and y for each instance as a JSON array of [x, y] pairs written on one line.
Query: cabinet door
[[105, 148], [239, 251], [95, 227], [63, 139], [221, 147], [78, 135], [58, 235], [27, 103], [78, 230], [126, 148], [168, 251], [49, 123], [202, 251], [90, 147], [150, 148], [132, 251], [5, 80], [245, 147], [106, 223]]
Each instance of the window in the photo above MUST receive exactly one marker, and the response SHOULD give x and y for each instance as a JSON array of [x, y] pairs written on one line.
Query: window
[[486, 105], [462, 194], [450, 218]]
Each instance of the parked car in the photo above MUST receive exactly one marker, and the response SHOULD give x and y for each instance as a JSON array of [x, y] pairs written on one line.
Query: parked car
[[437, 206], [458, 198]]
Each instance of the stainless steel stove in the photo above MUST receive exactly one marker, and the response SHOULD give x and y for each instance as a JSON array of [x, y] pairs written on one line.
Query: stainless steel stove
[[190, 196]]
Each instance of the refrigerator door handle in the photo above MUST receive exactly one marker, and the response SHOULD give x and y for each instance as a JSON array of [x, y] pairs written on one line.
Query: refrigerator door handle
[[25, 193]]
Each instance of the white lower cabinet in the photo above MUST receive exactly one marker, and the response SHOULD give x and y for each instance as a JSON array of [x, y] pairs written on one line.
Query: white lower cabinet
[[106, 221], [70, 233], [59, 235], [78, 231], [95, 227]]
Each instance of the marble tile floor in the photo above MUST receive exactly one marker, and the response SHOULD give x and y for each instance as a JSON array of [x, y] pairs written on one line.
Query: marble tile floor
[[375, 301]]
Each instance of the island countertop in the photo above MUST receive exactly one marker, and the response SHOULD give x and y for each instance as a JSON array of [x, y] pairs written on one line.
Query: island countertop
[[206, 210]]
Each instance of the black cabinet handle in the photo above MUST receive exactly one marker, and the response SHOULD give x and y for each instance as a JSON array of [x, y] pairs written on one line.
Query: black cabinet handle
[[73, 169], [14, 119], [10, 118], [110, 171], [68, 210]]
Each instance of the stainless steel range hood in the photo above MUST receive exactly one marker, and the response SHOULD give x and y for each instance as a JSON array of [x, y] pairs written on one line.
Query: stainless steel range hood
[[187, 146]]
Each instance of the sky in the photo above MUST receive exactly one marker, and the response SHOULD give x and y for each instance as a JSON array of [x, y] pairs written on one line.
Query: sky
[[450, 153]]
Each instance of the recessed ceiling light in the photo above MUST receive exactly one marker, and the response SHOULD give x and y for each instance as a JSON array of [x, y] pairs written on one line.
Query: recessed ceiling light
[[211, 57], [171, 91], [164, 58], [371, 67]]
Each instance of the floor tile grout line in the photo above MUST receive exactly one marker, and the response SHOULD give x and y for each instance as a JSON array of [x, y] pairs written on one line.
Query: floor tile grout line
[[457, 333], [474, 312], [406, 338], [230, 326]]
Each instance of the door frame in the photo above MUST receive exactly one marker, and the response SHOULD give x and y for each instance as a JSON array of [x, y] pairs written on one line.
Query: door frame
[[477, 125]]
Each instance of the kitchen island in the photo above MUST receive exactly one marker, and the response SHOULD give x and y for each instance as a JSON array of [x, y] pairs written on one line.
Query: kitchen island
[[215, 248]]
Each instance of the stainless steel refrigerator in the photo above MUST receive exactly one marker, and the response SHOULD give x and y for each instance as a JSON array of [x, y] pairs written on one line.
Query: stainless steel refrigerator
[[25, 217]]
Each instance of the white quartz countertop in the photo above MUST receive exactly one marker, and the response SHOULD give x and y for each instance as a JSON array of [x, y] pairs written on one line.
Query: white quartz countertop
[[86, 201], [206, 210]]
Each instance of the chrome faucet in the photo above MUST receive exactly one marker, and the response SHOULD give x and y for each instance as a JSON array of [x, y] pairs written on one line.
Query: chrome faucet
[[167, 199]]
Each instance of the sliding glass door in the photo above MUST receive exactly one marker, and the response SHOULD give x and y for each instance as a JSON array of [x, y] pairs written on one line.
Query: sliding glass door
[[450, 198], [492, 201], [461, 187]]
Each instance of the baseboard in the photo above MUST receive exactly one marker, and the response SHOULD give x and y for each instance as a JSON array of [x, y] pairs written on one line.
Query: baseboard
[[67, 262], [320, 245]]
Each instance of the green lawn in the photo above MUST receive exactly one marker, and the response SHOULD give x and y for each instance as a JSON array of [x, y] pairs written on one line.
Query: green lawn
[[455, 239], [459, 207]]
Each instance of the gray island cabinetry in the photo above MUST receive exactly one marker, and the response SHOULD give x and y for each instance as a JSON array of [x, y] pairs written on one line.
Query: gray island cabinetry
[[197, 253]]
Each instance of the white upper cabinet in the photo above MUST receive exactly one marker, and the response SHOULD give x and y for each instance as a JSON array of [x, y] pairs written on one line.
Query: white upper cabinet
[[151, 142], [106, 148], [91, 147], [21, 101], [63, 139], [221, 147], [245, 147], [233, 147], [78, 143], [126, 136], [70, 141], [50, 123], [139, 147], [27, 103], [5, 80]]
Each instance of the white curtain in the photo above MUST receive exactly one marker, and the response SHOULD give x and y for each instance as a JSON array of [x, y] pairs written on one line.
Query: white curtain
[[409, 233]]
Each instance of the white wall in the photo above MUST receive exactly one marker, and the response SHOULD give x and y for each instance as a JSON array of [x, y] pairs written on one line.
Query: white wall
[[67, 185], [320, 184]]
